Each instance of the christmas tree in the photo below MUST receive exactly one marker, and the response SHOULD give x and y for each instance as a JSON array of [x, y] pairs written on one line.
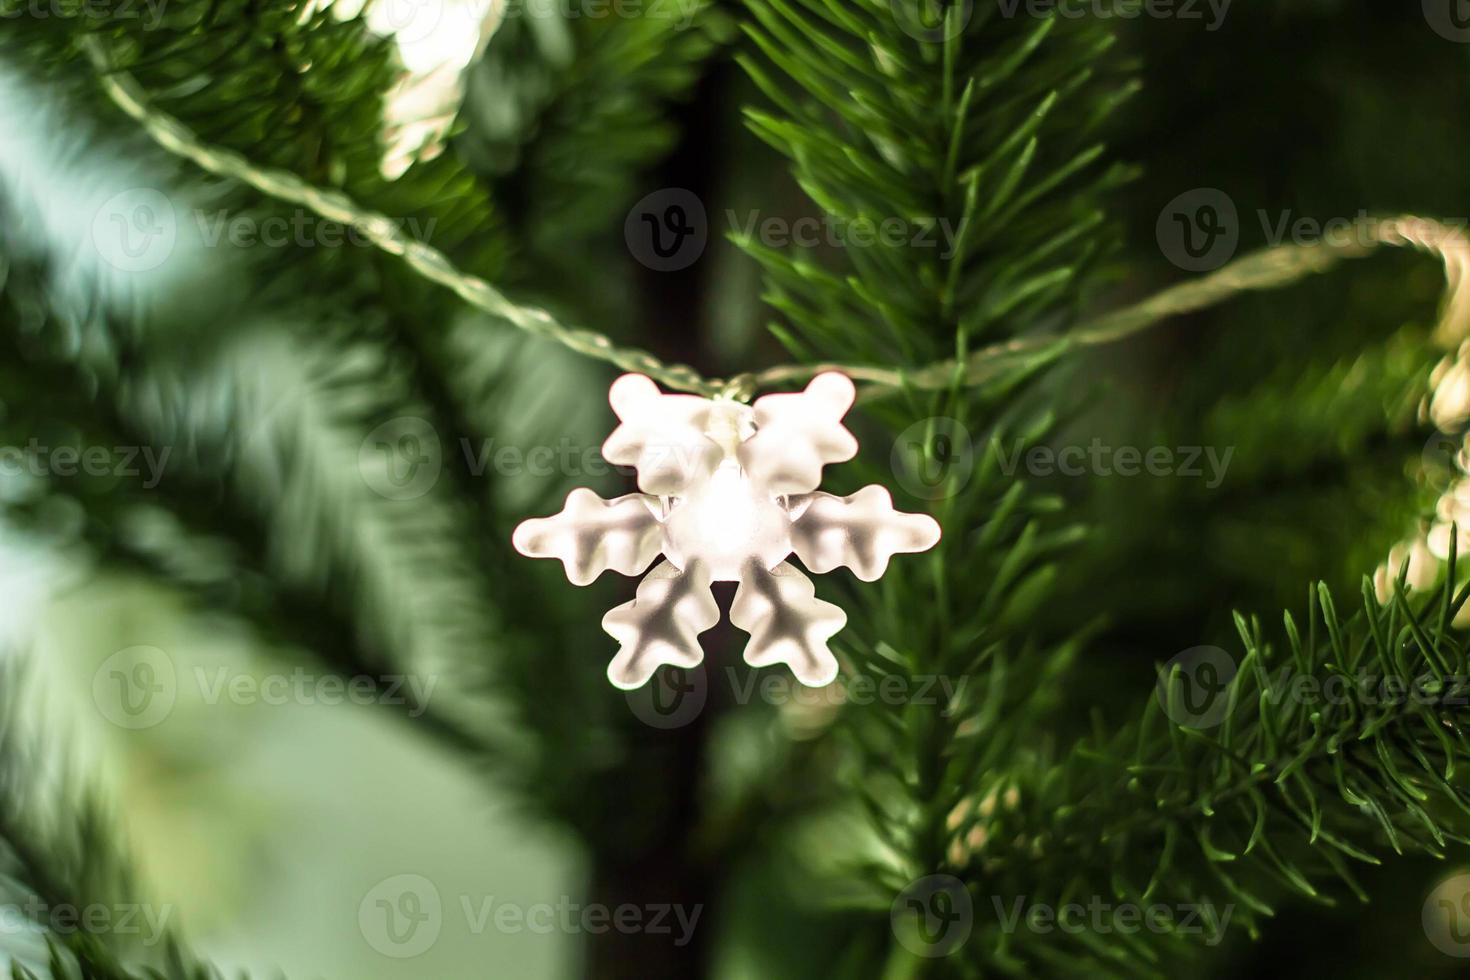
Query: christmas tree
[[1027, 440]]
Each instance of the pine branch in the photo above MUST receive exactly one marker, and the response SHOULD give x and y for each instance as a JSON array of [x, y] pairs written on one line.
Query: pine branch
[[1305, 762], [567, 112], [374, 347], [810, 294], [220, 558], [59, 856], [967, 134]]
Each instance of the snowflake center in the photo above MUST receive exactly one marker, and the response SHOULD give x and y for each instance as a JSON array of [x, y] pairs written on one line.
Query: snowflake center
[[724, 522]]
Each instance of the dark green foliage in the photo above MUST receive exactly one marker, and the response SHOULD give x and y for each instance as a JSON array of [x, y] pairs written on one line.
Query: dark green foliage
[[59, 851], [391, 347], [997, 129], [1015, 770], [305, 96], [956, 140], [1332, 749], [996, 132], [569, 112]]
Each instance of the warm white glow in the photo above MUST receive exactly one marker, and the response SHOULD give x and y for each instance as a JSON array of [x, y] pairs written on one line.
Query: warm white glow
[[436, 41], [729, 494]]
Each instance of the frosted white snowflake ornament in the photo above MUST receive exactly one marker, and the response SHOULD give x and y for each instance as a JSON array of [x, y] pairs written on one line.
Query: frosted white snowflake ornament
[[729, 493]]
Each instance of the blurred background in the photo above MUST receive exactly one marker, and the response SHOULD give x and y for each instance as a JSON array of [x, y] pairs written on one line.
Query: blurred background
[[272, 809]]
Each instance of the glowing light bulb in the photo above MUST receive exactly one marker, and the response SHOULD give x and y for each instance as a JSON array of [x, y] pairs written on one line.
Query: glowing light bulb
[[729, 494]]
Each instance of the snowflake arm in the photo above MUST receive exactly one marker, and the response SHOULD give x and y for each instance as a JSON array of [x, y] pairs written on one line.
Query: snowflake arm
[[591, 535], [662, 436], [661, 625], [797, 434], [862, 532], [787, 623]]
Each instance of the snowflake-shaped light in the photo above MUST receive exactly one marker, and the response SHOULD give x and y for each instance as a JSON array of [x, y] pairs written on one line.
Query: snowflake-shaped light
[[729, 493]]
